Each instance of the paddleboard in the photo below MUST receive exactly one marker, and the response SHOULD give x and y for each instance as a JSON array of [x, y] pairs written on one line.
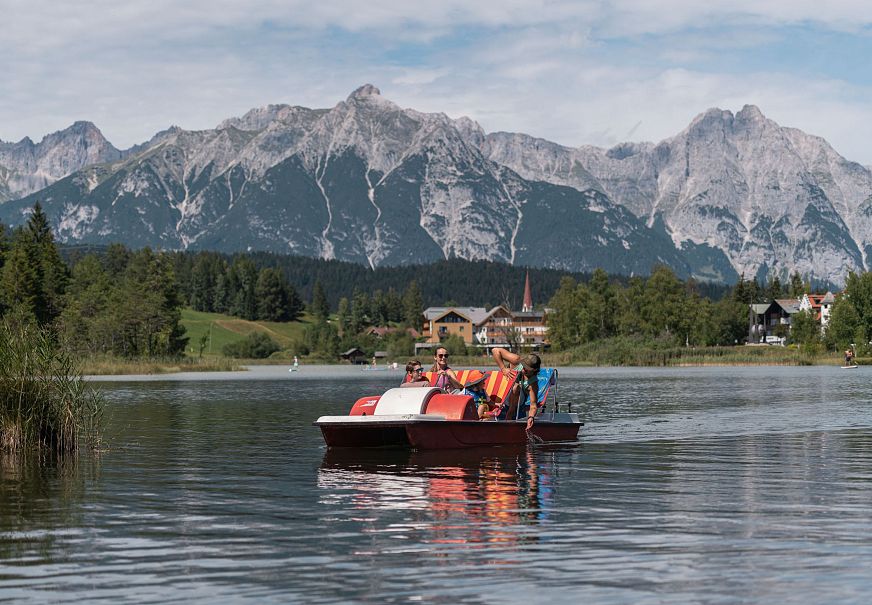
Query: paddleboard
[[850, 367]]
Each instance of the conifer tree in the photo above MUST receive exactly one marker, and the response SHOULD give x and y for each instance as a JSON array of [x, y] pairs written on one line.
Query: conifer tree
[[413, 306], [271, 293], [797, 287], [35, 243], [343, 316], [19, 281], [244, 301], [320, 306]]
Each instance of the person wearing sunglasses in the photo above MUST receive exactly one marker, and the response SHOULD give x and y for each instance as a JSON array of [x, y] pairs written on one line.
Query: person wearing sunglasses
[[415, 375], [446, 379], [525, 390]]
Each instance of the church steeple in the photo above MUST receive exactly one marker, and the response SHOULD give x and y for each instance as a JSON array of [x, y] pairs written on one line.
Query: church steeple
[[528, 297]]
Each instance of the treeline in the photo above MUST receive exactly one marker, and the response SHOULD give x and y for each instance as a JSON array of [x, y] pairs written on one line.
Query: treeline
[[444, 283], [327, 339], [128, 303], [657, 308], [236, 286], [121, 302]]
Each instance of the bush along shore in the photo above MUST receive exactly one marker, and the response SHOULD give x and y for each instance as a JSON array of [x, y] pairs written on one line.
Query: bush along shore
[[44, 402]]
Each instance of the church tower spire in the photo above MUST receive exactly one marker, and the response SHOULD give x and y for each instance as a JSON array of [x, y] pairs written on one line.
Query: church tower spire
[[528, 297]]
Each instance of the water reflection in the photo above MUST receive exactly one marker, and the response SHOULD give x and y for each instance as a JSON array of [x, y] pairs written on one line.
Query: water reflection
[[464, 497], [40, 494], [688, 486]]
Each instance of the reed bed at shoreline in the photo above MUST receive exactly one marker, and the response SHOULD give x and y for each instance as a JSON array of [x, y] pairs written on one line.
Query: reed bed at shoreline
[[113, 366], [602, 354], [628, 352], [44, 402]]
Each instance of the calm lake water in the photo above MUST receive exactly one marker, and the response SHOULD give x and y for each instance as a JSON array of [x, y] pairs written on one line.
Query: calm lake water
[[699, 485]]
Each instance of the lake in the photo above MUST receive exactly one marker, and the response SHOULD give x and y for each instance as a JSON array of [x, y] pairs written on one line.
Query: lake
[[688, 485]]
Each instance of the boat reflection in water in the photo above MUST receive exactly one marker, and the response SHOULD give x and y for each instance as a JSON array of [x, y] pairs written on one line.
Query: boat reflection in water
[[466, 497]]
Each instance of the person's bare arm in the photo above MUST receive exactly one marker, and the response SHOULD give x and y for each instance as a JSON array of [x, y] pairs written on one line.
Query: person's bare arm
[[533, 397], [503, 357]]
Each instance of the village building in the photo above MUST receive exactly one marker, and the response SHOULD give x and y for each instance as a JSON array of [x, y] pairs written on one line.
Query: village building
[[354, 355], [486, 329], [771, 322], [821, 305]]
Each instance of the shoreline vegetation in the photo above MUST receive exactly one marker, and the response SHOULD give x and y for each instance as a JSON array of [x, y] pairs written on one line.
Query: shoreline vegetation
[[45, 404], [604, 358], [121, 311], [109, 366]]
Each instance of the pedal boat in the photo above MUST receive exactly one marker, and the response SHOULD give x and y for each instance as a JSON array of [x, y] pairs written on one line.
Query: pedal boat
[[427, 419]]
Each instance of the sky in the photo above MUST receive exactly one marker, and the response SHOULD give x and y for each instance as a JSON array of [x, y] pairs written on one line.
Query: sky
[[583, 72]]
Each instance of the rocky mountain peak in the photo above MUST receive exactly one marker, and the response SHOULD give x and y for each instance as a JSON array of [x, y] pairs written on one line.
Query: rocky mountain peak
[[367, 90], [83, 127], [258, 118], [711, 119], [750, 113], [369, 181]]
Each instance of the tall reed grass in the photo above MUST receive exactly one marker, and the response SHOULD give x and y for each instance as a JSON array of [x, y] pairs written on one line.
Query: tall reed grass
[[109, 365], [626, 351], [44, 402]]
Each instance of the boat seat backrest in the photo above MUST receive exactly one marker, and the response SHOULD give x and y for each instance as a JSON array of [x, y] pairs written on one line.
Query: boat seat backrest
[[404, 401], [497, 386]]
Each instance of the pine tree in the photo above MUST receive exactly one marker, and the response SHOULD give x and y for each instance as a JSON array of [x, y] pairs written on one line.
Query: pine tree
[[343, 316], [202, 289], [81, 323], [413, 306], [272, 296], [797, 287], [359, 309], [45, 300], [394, 306], [19, 281], [294, 305], [115, 260], [4, 252], [320, 307], [244, 301]]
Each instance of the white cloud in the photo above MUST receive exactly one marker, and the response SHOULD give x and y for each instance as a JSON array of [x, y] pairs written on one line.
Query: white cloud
[[592, 72]]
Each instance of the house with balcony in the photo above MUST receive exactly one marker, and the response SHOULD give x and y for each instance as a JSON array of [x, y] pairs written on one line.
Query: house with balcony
[[772, 318], [486, 329], [775, 318], [442, 322]]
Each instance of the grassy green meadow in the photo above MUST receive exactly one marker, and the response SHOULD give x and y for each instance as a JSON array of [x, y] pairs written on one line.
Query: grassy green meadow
[[224, 329]]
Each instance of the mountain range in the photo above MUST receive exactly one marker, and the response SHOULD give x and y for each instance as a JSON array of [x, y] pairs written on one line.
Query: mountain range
[[370, 182]]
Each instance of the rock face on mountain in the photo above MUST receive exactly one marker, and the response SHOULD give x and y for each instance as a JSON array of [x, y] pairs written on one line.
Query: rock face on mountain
[[369, 182], [772, 199], [365, 181], [26, 167]]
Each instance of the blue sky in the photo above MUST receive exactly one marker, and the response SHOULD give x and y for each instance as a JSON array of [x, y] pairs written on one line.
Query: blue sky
[[578, 73]]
